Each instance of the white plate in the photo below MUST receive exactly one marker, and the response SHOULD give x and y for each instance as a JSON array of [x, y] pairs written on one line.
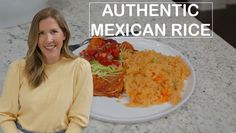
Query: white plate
[[114, 110]]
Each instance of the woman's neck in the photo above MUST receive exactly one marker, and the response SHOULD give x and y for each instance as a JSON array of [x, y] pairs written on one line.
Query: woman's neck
[[52, 60]]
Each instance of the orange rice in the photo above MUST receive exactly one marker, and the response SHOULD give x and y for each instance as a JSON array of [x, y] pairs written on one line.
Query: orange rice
[[153, 78]]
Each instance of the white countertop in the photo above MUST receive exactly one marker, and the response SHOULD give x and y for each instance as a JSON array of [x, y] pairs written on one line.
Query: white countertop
[[210, 109]]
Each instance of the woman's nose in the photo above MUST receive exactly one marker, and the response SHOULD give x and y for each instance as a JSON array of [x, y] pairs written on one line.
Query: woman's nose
[[49, 38]]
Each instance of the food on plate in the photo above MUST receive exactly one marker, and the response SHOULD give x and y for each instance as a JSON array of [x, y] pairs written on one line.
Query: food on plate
[[105, 57], [112, 87], [153, 78], [145, 77]]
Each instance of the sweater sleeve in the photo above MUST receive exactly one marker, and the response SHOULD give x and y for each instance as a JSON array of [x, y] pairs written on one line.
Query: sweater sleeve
[[9, 99], [82, 100]]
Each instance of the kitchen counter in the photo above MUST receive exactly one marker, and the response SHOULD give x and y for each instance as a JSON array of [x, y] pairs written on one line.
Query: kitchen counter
[[210, 109]]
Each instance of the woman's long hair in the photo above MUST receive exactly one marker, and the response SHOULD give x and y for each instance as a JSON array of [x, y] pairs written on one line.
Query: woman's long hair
[[34, 68]]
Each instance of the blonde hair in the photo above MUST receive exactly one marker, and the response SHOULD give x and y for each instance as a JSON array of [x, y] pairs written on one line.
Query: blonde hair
[[34, 68]]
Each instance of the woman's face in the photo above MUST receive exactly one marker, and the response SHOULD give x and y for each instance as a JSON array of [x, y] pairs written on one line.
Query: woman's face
[[50, 40]]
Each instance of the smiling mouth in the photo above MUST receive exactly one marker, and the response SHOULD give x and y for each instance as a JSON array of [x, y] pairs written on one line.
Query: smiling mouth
[[50, 47]]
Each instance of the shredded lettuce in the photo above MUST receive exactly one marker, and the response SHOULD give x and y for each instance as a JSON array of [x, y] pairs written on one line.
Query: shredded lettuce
[[103, 71], [121, 56]]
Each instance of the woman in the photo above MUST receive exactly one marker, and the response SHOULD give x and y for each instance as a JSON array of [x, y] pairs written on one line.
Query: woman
[[50, 90]]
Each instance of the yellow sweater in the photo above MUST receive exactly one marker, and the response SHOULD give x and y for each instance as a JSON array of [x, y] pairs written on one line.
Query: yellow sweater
[[63, 101]]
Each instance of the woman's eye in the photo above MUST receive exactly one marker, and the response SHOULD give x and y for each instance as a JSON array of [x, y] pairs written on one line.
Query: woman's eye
[[54, 31], [41, 33]]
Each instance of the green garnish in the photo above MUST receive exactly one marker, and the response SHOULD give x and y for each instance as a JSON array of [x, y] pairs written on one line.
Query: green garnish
[[103, 71], [121, 57]]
